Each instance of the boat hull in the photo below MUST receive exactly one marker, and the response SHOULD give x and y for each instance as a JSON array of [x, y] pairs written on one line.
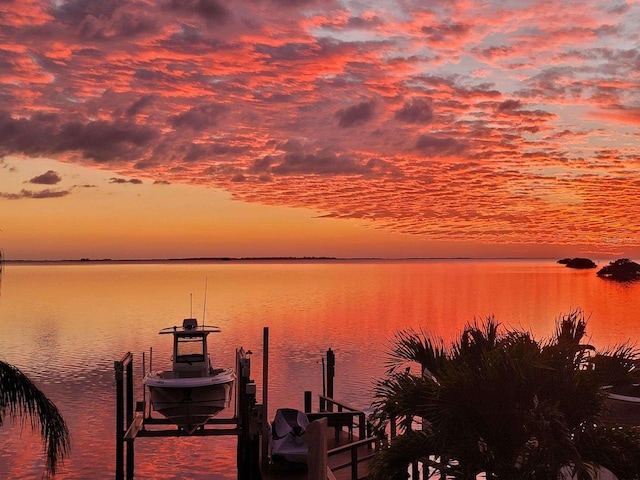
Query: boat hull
[[622, 404], [190, 402]]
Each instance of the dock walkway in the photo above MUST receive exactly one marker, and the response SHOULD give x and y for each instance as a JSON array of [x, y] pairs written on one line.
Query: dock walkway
[[339, 460]]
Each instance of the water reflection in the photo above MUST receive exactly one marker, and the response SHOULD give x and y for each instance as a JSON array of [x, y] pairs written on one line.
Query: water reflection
[[1, 268], [64, 325]]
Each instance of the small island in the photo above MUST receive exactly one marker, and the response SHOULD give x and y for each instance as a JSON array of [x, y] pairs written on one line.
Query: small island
[[622, 269], [577, 262]]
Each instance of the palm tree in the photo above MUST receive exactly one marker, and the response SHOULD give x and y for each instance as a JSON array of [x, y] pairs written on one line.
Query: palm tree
[[19, 397], [500, 402]]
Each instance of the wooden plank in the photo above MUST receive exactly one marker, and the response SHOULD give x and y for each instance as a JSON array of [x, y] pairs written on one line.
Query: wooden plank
[[330, 475], [316, 437], [335, 419], [211, 421], [207, 432], [134, 428]]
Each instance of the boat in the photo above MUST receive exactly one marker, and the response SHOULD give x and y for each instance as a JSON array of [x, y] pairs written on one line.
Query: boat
[[622, 404], [194, 391], [287, 436]]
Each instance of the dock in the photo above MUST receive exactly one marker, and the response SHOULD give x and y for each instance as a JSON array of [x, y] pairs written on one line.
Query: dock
[[340, 444], [338, 466]]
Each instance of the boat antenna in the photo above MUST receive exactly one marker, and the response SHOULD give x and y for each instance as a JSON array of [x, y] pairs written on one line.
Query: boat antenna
[[204, 308], [191, 305]]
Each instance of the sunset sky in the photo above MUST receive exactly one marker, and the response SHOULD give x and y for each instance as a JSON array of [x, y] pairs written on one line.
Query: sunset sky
[[181, 128]]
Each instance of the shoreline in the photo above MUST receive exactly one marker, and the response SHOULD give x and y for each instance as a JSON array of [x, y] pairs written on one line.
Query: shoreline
[[86, 261]]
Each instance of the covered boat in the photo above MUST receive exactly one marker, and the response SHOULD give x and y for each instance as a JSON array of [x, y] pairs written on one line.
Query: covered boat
[[288, 435], [194, 391]]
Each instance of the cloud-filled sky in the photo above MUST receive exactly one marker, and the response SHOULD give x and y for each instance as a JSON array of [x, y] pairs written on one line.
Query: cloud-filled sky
[[506, 124]]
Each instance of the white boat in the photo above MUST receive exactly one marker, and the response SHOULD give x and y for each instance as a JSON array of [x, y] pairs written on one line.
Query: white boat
[[192, 392], [287, 436], [622, 404]]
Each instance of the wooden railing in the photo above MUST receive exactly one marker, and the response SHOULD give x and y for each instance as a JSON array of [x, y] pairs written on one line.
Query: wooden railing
[[430, 466], [355, 458], [339, 416]]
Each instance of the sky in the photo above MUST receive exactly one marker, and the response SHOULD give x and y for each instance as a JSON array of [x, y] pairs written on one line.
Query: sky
[[189, 128]]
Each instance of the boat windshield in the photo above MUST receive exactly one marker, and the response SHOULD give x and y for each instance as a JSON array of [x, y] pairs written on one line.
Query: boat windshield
[[190, 349]]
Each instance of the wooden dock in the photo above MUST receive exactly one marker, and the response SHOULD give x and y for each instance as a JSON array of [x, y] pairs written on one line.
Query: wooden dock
[[342, 453], [339, 445]]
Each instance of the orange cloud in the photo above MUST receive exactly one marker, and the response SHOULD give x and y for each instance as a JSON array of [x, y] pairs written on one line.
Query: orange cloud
[[493, 123]]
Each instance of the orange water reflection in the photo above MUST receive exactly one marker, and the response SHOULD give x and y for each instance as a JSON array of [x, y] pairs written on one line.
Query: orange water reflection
[[64, 325]]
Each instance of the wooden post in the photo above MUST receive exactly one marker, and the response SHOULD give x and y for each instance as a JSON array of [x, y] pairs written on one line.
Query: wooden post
[[362, 426], [129, 416], [124, 410], [265, 395], [243, 369], [248, 450], [119, 371], [316, 435], [307, 401], [331, 373], [324, 379], [354, 465]]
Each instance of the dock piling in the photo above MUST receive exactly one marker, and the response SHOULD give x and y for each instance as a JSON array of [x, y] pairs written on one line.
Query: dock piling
[[124, 410], [331, 373]]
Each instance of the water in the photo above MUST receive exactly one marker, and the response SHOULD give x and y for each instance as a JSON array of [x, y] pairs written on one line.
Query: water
[[65, 325]]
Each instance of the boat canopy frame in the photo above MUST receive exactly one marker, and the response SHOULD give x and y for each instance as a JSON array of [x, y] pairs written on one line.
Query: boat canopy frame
[[190, 333]]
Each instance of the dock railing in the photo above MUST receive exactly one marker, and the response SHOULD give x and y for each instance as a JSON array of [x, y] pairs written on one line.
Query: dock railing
[[339, 417], [431, 465], [355, 449], [361, 447]]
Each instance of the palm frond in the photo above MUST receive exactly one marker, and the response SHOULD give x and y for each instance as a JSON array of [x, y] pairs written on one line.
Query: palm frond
[[612, 446], [617, 365], [19, 397], [391, 463], [409, 345], [509, 405], [475, 340]]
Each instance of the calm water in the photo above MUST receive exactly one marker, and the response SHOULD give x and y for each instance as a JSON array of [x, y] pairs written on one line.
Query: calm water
[[64, 325]]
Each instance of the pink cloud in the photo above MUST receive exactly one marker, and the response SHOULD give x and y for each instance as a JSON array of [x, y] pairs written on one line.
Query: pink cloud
[[448, 119]]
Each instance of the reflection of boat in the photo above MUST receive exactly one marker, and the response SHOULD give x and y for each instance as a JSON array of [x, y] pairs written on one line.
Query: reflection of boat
[[287, 435], [622, 404], [193, 391]]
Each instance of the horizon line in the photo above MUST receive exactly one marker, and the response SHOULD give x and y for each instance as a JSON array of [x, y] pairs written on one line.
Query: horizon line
[[268, 258]]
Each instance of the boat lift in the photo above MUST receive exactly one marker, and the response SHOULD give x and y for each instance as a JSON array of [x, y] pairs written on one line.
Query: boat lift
[[248, 423]]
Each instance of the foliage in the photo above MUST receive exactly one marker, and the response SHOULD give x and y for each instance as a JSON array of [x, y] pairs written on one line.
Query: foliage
[[19, 397], [500, 402], [622, 269], [579, 262]]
